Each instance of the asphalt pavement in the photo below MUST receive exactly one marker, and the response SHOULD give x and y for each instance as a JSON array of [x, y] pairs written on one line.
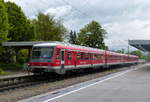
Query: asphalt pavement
[[128, 86]]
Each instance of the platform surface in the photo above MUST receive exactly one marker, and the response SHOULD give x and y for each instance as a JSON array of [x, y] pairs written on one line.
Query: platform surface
[[132, 86]]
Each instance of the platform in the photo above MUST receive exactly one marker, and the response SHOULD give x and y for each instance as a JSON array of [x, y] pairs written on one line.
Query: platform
[[128, 86], [21, 74]]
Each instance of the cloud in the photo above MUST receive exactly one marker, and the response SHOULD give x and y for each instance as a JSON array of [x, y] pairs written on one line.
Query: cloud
[[60, 11], [122, 19], [120, 32]]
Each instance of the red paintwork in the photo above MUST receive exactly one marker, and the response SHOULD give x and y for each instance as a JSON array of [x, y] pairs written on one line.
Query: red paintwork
[[105, 58]]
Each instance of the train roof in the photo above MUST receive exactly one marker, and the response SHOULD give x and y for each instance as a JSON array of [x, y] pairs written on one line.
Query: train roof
[[69, 46], [78, 47]]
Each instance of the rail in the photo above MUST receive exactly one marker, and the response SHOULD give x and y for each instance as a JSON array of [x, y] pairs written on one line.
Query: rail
[[13, 82], [29, 80]]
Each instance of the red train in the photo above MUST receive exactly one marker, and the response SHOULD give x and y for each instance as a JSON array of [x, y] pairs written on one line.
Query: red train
[[60, 57]]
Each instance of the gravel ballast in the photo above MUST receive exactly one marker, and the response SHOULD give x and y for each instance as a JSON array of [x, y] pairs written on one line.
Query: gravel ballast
[[26, 92]]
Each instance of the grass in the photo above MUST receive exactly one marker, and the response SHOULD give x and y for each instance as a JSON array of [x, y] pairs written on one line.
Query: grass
[[11, 66], [2, 72]]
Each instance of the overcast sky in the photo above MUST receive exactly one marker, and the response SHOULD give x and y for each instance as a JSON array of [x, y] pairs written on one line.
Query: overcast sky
[[122, 19]]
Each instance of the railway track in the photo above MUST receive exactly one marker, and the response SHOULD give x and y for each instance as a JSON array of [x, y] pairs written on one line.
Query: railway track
[[20, 81], [29, 80], [10, 83]]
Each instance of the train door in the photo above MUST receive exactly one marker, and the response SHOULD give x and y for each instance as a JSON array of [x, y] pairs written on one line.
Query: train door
[[75, 59], [69, 59], [62, 58], [62, 62], [122, 59], [91, 59], [106, 59]]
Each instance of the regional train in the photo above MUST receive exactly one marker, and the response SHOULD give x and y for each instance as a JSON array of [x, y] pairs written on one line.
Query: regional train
[[61, 57]]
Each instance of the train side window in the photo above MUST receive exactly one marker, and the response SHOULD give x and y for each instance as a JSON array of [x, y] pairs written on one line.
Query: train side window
[[82, 55], [69, 55], [97, 56], [58, 54], [78, 56], [91, 56], [101, 56], [111, 57], [114, 57], [94, 57], [86, 56]]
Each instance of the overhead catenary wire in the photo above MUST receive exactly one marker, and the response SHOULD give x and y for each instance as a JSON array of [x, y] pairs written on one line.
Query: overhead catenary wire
[[124, 41], [83, 13]]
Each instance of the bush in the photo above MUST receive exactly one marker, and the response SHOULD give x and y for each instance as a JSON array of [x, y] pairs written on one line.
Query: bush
[[7, 55], [11, 66], [2, 72], [23, 56]]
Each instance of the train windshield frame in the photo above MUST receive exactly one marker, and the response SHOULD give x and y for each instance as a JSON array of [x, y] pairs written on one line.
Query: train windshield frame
[[42, 54]]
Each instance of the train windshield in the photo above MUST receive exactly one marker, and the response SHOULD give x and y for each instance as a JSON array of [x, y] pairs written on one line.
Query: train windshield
[[42, 54]]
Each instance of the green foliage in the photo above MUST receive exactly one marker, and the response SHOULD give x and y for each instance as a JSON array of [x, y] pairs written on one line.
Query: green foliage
[[11, 66], [141, 55], [147, 57], [73, 37], [23, 56], [7, 55], [92, 35], [137, 53], [2, 72], [20, 27], [48, 29], [120, 51], [4, 26]]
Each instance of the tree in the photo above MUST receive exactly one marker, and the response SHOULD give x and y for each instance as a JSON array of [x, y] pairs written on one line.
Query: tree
[[20, 27], [92, 35], [73, 37], [120, 51], [147, 57], [7, 55], [137, 53], [4, 26], [48, 29]]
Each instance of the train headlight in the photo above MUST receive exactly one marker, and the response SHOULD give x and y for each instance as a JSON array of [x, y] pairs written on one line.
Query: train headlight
[[28, 64]]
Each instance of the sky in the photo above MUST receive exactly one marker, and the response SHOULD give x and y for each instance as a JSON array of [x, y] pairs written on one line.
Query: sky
[[122, 19]]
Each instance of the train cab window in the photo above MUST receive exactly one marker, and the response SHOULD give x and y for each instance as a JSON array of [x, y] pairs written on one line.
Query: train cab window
[[42, 54], [78, 56], [69, 55], [86, 56], [58, 54]]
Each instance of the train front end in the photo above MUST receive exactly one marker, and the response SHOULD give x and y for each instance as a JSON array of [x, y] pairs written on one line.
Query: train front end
[[41, 60]]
